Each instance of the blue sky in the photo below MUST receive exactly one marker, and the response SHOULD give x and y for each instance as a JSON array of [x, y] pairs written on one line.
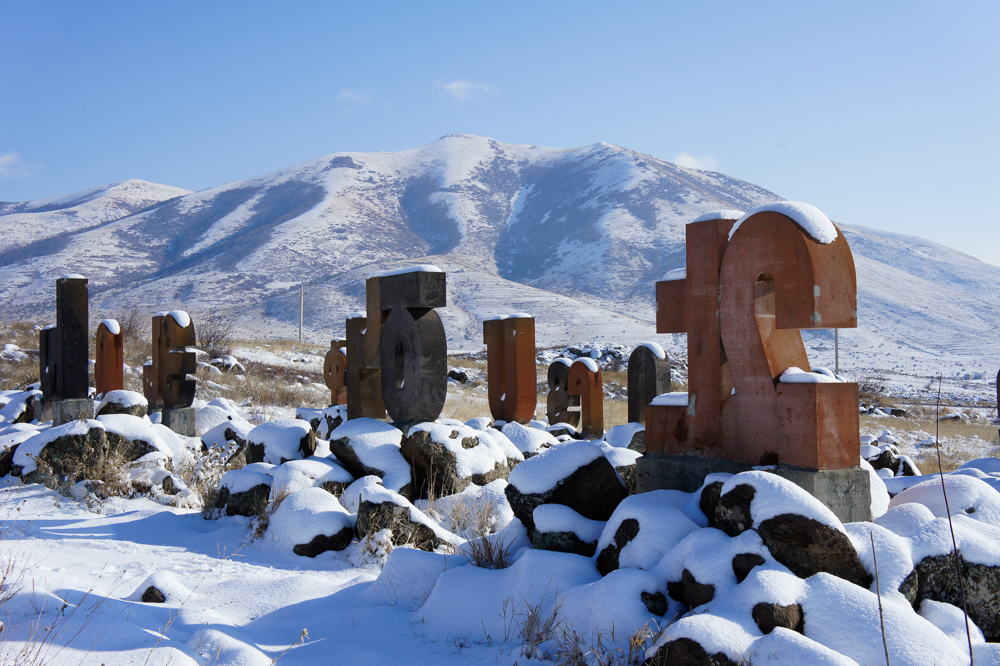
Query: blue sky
[[882, 114]]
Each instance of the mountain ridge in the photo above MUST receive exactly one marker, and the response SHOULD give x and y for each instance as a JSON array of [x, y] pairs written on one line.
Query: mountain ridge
[[593, 227]]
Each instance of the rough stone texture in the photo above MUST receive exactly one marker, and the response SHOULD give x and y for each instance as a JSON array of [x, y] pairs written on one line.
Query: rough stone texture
[[937, 580], [342, 450], [432, 463], [7, 460], [70, 457], [332, 422], [709, 500], [112, 407], [627, 473], [248, 503], [732, 513], [744, 563], [768, 616], [607, 561], [695, 593], [807, 547], [593, 491], [655, 603], [152, 595], [376, 516], [908, 588], [128, 450], [255, 452], [638, 442], [563, 542], [23, 407], [460, 376], [322, 543], [686, 652], [179, 419]]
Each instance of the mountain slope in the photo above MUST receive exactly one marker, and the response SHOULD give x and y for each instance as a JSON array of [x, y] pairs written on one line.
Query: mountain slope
[[575, 236]]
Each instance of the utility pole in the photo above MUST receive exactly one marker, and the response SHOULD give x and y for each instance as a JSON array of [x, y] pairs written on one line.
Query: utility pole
[[302, 303], [836, 351]]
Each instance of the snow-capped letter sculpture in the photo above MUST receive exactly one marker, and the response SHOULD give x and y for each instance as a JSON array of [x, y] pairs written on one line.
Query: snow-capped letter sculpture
[[749, 288], [108, 375]]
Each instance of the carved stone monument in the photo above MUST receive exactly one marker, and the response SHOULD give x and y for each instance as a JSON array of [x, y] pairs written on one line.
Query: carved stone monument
[[108, 374], [64, 363], [510, 367], [648, 377], [746, 294], [165, 381], [561, 407], [397, 355], [335, 372], [585, 380]]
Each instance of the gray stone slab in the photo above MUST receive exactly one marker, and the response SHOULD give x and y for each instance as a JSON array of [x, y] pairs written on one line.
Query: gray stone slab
[[179, 419], [64, 411], [847, 492]]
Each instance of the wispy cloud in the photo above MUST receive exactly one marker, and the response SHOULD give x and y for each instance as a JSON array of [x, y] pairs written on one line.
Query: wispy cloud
[[463, 90], [11, 166], [688, 161], [355, 96]]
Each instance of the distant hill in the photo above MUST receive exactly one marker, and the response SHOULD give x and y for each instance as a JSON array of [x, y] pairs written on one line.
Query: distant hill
[[574, 236]]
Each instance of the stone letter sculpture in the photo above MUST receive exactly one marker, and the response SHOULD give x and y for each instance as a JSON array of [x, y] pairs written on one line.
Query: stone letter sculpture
[[510, 367], [176, 390], [584, 380], [414, 349], [64, 367], [335, 372], [648, 377], [742, 303], [362, 377], [150, 370], [561, 407], [108, 375]]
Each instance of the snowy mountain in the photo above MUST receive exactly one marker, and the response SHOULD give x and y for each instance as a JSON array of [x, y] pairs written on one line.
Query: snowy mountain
[[575, 236]]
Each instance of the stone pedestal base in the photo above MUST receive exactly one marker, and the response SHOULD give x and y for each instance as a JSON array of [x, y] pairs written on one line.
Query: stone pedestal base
[[847, 492], [179, 419], [64, 411]]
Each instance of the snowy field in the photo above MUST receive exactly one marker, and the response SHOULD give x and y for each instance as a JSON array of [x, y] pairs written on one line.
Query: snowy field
[[77, 563]]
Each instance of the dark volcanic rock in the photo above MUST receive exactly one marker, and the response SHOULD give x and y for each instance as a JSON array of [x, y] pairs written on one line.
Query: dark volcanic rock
[[695, 593], [768, 616], [593, 491], [123, 402], [744, 563], [807, 546], [322, 543], [376, 516], [607, 561], [686, 652], [435, 465], [563, 542], [153, 596], [656, 603], [76, 452], [732, 513], [937, 580], [248, 503]]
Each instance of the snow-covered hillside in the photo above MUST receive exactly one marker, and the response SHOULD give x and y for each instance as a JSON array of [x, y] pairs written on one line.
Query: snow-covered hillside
[[575, 236]]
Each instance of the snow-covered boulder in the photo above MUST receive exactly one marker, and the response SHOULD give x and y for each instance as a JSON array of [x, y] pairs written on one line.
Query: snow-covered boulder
[[11, 436], [311, 521], [367, 447], [799, 530], [574, 474], [382, 509], [313, 472], [562, 529], [528, 440], [643, 529], [133, 437], [627, 436], [330, 419], [22, 407], [279, 441], [123, 402], [245, 492], [446, 458], [72, 451]]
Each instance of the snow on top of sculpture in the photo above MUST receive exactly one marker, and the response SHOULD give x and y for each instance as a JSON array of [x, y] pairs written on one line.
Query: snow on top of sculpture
[[811, 219]]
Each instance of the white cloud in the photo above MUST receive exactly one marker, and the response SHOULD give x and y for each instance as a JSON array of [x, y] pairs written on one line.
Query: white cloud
[[465, 90], [705, 162], [355, 96], [11, 166]]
